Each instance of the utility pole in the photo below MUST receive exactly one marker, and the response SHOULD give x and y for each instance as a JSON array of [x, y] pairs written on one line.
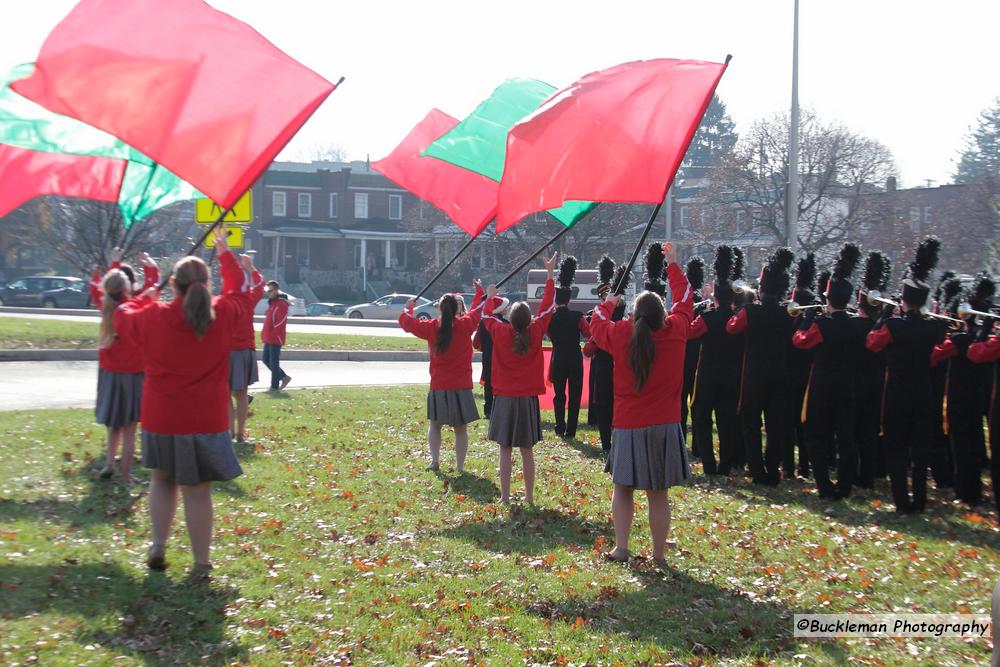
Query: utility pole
[[792, 192]]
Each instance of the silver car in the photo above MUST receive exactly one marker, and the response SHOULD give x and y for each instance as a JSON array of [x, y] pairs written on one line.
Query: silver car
[[388, 307]]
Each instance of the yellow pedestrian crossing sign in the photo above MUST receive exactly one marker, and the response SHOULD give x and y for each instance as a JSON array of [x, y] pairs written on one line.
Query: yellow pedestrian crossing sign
[[234, 237], [207, 211]]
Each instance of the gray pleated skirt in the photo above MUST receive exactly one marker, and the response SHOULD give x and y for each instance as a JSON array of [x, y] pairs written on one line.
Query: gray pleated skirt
[[515, 421], [652, 458], [453, 407], [242, 369], [192, 458], [119, 396]]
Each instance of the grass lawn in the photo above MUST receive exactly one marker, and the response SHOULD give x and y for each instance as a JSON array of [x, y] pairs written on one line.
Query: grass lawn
[[18, 333], [338, 547]]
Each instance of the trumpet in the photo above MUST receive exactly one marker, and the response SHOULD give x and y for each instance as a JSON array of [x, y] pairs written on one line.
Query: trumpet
[[965, 312], [743, 286], [704, 302], [794, 308], [875, 296]]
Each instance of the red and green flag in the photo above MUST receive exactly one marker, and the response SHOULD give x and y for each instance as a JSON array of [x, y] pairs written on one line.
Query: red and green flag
[[468, 198], [197, 91], [479, 142], [617, 135], [145, 186], [27, 174]]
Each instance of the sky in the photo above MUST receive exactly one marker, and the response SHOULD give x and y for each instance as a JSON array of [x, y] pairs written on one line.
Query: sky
[[913, 74]]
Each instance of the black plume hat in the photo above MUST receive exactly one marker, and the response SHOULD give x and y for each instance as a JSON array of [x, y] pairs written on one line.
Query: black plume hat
[[839, 290], [655, 264]]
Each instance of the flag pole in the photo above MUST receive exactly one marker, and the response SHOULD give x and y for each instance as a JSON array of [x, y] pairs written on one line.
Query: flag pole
[[619, 288], [446, 266], [197, 244], [534, 255]]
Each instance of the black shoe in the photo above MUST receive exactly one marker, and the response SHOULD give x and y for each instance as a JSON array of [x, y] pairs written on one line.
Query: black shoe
[[249, 399], [560, 431]]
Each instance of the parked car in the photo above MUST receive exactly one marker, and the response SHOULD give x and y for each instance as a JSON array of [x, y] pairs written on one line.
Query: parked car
[[46, 291], [429, 311], [387, 307], [325, 308], [296, 306]]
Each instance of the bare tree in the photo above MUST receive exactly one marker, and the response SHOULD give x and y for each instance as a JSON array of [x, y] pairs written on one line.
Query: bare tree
[[322, 152]]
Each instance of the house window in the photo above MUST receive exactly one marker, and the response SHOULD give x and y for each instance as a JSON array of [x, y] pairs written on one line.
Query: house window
[[927, 215], [915, 219], [278, 204], [395, 207], [539, 216], [361, 205], [682, 221], [334, 205], [357, 255], [741, 221], [305, 205], [866, 228]]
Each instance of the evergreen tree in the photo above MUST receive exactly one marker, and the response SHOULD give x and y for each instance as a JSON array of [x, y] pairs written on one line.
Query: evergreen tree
[[715, 138], [981, 157]]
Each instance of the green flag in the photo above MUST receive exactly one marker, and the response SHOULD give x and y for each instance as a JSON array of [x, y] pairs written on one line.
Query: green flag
[[146, 186], [479, 142]]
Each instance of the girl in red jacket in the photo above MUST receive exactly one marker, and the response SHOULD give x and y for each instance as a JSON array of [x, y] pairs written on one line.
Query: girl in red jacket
[[449, 401], [647, 445], [518, 377], [185, 397], [119, 375]]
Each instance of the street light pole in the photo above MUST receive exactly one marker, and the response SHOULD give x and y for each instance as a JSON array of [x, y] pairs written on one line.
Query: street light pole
[[792, 192]]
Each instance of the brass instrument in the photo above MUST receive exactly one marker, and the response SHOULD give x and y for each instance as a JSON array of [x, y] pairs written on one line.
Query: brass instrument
[[965, 312], [743, 286], [704, 302], [875, 296], [794, 308]]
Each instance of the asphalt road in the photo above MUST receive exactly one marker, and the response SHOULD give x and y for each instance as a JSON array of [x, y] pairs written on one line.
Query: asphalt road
[[30, 385]]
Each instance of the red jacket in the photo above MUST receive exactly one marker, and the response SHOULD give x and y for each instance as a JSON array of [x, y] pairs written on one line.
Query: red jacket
[[186, 389], [659, 401], [453, 369], [245, 338], [516, 375], [275, 320], [121, 356]]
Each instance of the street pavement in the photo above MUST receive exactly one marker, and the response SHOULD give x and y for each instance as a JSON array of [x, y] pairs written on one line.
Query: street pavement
[[31, 385]]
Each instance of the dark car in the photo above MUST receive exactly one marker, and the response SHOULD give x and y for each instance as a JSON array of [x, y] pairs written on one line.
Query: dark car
[[322, 308], [46, 291]]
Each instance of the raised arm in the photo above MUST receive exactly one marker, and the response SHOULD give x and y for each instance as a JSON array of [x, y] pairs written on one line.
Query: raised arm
[[682, 312], [150, 271], [425, 329], [601, 326]]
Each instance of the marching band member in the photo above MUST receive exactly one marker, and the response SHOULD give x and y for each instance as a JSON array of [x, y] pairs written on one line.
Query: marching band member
[[800, 363], [986, 351], [830, 410], [518, 379], [484, 343], [695, 273], [602, 364], [647, 450], [449, 342], [909, 341], [566, 364]]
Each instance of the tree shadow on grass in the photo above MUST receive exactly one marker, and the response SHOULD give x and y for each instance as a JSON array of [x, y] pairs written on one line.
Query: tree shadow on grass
[[156, 620], [481, 489], [529, 531], [943, 520], [683, 616]]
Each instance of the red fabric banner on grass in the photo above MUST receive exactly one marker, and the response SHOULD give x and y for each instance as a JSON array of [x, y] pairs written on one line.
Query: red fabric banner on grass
[[25, 174], [468, 198], [617, 135], [198, 91]]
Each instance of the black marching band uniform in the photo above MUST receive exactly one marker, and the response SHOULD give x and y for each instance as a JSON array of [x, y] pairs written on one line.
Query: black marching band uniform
[[909, 340], [830, 395], [602, 364], [566, 367], [765, 388], [716, 389], [695, 272], [939, 450], [799, 366]]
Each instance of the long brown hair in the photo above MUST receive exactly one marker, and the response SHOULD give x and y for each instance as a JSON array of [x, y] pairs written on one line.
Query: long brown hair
[[115, 286], [449, 306], [647, 316], [520, 320], [191, 280]]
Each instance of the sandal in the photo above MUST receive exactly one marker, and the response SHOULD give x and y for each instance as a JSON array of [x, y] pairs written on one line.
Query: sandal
[[157, 558], [617, 556]]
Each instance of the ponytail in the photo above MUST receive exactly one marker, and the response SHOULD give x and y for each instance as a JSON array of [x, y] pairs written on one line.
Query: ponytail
[[649, 314], [520, 320], [191, 281], [114, 285], [449, 306]]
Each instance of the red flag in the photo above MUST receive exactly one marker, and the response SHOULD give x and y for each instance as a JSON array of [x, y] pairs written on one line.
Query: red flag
[[468, 198], [28, 174], [617, 135], [198, 91]]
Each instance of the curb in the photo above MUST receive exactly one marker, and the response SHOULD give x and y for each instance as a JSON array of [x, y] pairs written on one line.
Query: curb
[[286, 355], [326, 321]]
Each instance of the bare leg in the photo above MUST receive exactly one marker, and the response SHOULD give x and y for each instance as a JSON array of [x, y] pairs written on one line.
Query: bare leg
[[659, 520], [622, 510], [528, 461], [162, 505], [198, 516], [114, 434], [240, 414], [434, 443], [128, 449], [506, 456], [461, 447]]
